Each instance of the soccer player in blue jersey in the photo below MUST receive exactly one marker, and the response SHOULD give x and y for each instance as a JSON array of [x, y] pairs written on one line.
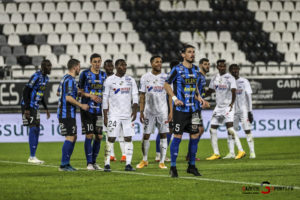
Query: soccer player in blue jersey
[[204, 69], [91, 86], [66, 113], [33, 94], [185, 80]]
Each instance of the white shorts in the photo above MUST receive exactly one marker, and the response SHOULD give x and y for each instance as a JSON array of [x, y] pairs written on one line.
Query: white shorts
[[120, 127], [243, 118], [159, 121], [222, 116]]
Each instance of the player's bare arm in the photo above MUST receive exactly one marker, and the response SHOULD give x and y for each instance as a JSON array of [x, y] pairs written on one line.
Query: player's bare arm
[[93, 97], [45, 106], [105, 120], [170, 92], [142, 106], [233, 90], [170, 117], [134, 111], [71, 100]]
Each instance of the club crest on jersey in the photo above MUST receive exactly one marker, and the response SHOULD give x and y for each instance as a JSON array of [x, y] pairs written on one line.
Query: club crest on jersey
[[116, 90], [121, 83], [149, 88]]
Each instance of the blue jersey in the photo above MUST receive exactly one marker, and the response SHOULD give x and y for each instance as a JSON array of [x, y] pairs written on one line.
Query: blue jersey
[[37, 83], [93, 84], [68, 88], [185, 82], [201, 84]]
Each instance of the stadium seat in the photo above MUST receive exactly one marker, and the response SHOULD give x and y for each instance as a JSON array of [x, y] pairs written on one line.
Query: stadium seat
[[54, 17], [117, 56], [100, 27], [10, 60], [295, 16], [94, 17], [125, 48], [99, 48], [13, 40], [60, 28], [218, 47], [225, 36], [34, 29], [24, 60], [88, 6], [32, 50], [246, 70], [8, 29], [47, 28], [294, 47], [53, 39], [75, 6], [282, 47], [280, 26], [272, 16], [276, 6], [1, 61], [227, 56], [120, 16], [106, 38], [66, 38], [92, 38], [26, 39], [4, 18], [132, 59], [287, 37], [16, 18], [297, 37], [36, 7], [63, 60], [101, 6], [2, 10], [204, 5], [113, 27], [86, 27], [178, 6], [139, 48], [212, 36], [37, 60], [11, 8], [290, 57], [165, 5], [42, 18], [72, 49], [126, 27], [191, 5], [284, 16], [29, 18], [58, 50], [106, 56], [275, 37], [18, 51], [68, 17], [79, 38], [81, 17], [145, 58], [132, 37], [107, 16], [53, 59], [49, 7], [297, 7], [185, 37], [293, 70], [260, 16], [119, 38], [57, 73], [140, 71], [268, 26], [291, 26], [198, 37], [24, 7], [85, 49], [21, 29], [265, 6], [45, 49], [112, 48], [114, 5], [73, 27], [252, 6], [40, 39], [288, 6], [3, 40], [62, 7], [17, 72]]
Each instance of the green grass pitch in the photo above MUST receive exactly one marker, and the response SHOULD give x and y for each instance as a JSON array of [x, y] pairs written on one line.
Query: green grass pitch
[[278, 162]]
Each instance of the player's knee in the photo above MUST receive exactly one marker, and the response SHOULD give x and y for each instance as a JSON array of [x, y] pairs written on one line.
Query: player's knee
[[89, 136], [146, 136], [231, 131], [195, 136], [111, 139], [163, 135], [127, 139], [212, 130], [98, 137], [201, 130]]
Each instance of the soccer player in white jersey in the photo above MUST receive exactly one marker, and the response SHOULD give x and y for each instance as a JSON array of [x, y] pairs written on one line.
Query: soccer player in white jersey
[[154, 110], [225, 87], [121, 94], [243, 107]]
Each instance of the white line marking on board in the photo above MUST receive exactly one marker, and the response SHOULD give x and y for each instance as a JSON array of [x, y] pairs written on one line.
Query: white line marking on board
[[156, 175]]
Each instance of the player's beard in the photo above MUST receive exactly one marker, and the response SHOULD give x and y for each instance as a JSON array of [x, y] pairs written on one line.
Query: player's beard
[[191, 60]]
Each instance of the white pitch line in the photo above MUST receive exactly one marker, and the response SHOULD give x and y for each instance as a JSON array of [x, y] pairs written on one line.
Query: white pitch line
[[156, 175]]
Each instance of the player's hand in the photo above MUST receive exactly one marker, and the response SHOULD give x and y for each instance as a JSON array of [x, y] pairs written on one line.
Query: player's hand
[[170, 117], [230, 105], [79, 93], [142, 117], [27, 114], [134, 111], [105, 120], [177, 102], [95, 98], [84, 107], [205, 104], [250, 117], [48, 114]]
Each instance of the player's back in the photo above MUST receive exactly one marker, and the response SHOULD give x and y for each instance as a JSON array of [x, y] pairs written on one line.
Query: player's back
[[155, 93], [243, 87], [68, 88]]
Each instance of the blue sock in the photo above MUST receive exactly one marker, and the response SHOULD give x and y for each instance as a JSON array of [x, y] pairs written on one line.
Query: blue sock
[[71, 149], [158, 143], [66, 149], [169, 138], [193, 150], [88, 150], [33, 140], [174, 150], [96, 149], [189, 149]]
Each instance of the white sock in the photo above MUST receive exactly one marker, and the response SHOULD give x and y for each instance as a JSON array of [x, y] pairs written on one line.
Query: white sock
[[146, 146], [109, 146], [230, 143], [214, 140], [122, 145], [112, 151], [163, 149], [128, 152], [236, 138], [250, 142]]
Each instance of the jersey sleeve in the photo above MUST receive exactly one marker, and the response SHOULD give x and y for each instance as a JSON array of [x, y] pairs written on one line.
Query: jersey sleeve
[[33, 80], [82, 79], [232, 83], [143, 85], [135, 97], [69, 87], [172, 75], [212, 83], [105, 94], [248, 87]]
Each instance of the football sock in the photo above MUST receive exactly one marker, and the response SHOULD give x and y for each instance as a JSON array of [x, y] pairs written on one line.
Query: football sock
[[230, 143], [157, 143], [174, 148], [112, 151], [193, 150], [145, 149], [96, 149], [169, 136], [129, 152], [122, 145], [250, 142], [214, 140], [108, 148], [88, 150], [163, 149], [189, 148], [236, 138], [66, 150], [33, 140]]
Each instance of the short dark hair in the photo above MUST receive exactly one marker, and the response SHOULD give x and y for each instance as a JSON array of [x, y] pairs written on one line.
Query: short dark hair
[[232, 66], [72, 63], [173, 63], [46, 63], [220, 61], [202, 60], [107, 61], [94, 55], [153, 57], [185, 47], [119, 61]]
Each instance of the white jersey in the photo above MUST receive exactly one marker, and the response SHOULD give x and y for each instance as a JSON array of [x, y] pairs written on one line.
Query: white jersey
[[119, 94], [243, 92], [222, 86], [156, 96]]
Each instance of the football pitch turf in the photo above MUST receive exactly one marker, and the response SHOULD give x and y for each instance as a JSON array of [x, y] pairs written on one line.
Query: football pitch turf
[[277, 162]]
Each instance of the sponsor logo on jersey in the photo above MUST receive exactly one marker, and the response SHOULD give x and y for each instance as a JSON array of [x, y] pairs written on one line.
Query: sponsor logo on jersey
[[155, 88], [189, 89]]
